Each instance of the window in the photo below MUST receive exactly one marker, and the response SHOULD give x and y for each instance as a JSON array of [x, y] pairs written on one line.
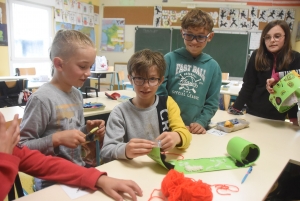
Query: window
[[31, 31]]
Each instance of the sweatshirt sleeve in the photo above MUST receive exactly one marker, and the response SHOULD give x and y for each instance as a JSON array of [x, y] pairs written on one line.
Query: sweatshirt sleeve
[[249, 79], [176, 123], [56, 169], [8, 171], [32, 128], [113, 144], [162, 89]]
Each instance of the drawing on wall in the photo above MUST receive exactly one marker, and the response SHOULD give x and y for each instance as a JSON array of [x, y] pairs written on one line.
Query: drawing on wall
[[157, 16], [113, 34]]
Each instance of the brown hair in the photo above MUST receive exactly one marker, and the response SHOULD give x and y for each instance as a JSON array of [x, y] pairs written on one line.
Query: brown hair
[[284, 56], [197, 18], [141, 61], [66, 42]]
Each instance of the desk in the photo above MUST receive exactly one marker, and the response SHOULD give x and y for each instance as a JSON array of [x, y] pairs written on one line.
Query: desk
[[98, 75], [14, 78], [9, 112], [109, 104], [278, 141]]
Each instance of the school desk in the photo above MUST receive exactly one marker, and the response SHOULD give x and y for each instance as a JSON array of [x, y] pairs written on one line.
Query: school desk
[[278, 142], [109, 103], [98, 74], [9, 112]]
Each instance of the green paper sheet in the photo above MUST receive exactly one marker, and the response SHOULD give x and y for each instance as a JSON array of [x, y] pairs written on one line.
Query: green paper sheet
[[156, 155], [242, 153]]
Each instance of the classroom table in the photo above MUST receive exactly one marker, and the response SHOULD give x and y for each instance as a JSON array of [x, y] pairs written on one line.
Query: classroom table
[[9, 112], [14, 78], [233, 89], [98, 74], [109, 103], [278, 142]]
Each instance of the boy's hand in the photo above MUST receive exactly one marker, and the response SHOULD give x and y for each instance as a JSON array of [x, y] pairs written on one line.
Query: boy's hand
[[90, 124], [168, 140], [68, 138], [270, 84], [112, 187], [138, 147], [196, 128], [10, 137]]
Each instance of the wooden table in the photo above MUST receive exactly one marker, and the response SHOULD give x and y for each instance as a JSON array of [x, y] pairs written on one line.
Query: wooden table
[[278, 142]]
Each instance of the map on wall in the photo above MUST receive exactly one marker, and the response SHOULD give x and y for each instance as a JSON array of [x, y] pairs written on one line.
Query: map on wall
[[89, 31], [113, 34]]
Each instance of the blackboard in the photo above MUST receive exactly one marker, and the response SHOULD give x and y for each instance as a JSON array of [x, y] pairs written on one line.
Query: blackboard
[[230, 50], [156, 39]]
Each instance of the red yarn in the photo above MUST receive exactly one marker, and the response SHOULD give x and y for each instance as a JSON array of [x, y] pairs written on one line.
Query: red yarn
[[177, 187]]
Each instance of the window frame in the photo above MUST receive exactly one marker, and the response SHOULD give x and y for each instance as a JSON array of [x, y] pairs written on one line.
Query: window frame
[[14, 62]]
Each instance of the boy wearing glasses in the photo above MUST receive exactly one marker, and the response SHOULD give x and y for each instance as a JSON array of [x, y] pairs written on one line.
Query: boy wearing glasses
[[134, 126], [193, 78]]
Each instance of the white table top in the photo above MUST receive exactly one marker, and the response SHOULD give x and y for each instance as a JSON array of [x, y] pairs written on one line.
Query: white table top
[[12, 78], [9, 112], [234, 88], [278, 142], [109, 104], [105, 72]]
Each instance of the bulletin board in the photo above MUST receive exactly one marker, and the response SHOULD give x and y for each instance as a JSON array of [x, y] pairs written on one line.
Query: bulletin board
[[136, 15]]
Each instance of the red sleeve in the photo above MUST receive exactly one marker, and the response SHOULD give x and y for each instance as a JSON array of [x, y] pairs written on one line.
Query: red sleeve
[[8, 171], [56, 169]]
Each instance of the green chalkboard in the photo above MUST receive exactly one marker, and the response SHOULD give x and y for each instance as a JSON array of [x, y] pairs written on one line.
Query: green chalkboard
[[156, 39], [230, 50]]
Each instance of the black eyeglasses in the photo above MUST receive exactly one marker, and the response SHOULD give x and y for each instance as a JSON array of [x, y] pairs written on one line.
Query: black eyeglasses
[[199, 38], [139, 81]]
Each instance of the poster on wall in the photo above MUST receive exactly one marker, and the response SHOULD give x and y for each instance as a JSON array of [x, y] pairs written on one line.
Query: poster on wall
[[89, 31], [3, 26], [113, 34], [3, 35]]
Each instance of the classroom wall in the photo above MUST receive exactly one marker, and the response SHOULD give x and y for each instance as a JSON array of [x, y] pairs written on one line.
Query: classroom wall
[[4, 64], [4, 50], [130, 29]]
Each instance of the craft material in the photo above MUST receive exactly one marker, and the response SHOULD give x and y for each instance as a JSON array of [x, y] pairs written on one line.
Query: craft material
[[246, 175]]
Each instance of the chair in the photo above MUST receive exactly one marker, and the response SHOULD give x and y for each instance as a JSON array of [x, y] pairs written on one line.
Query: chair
[[25, 71], [225, 76], [9, 92], [121, 81], [87, 88]]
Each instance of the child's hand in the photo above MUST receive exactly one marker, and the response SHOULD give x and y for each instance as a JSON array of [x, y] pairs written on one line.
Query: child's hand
[[90, 124], [196, 128], [10, 137], [168, 140], [269, 86], [138, 147], [112, 187], [68, 138]]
